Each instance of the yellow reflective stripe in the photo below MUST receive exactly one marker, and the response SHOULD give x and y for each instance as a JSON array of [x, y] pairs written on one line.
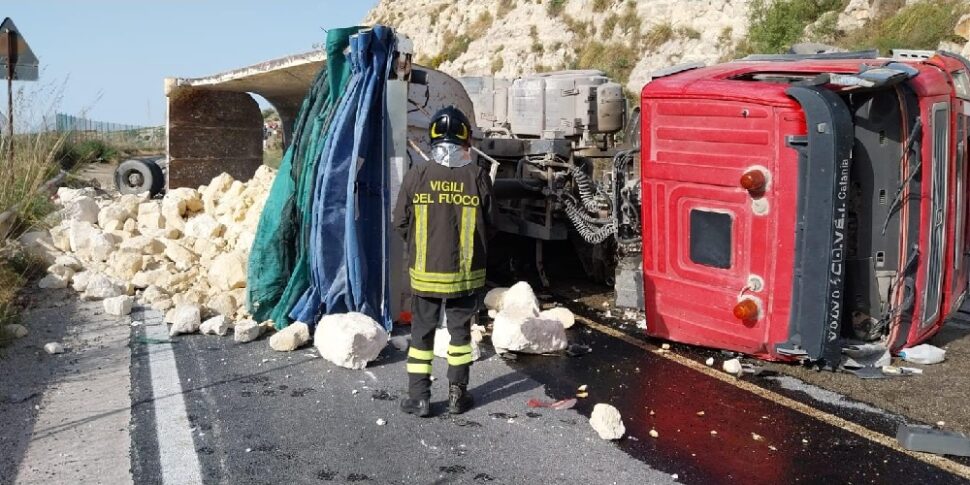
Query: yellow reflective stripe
[[459, 349], [467, 237], [420, 236], [460, 359], [447, 287], [446, 277], [419, 368], [420, 354]]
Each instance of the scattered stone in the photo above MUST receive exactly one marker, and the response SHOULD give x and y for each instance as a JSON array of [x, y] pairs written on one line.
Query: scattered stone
[[204, 226], [653, 433], [53, 348], [733, 366], [247, 331], [119, 305], [99, 287], [493, 299], [217, 325], [531, 335], [563, 315], [67, 261], [349, 340], [228, 272], [53, 282], [607, 422], [184, 319], [381, 422], [16, 330], [81, 208], [222, 304], [709, 361], [294, 336], [520, 302]]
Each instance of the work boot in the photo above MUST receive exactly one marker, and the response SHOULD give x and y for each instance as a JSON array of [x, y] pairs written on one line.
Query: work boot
[[459, 399], [418, 407]]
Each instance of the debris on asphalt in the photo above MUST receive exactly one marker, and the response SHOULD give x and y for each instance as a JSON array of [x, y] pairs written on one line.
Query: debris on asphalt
[[713, 433], [925, 354], [709, 361], [665, 346], [349, 340], [136, 323], [119, 305], [563, 315], [931, 440], [184, 319], [733, 366], [582, 395], [558, 405], [654, 434], [757, 437], [381, 422], [940, 424], [519, 328], [893, 370], [217, 325], [700, 413], [54, 348], [294, 336], [354, 392], [582, 388], [607, 422], [865, 355], [247, 330]]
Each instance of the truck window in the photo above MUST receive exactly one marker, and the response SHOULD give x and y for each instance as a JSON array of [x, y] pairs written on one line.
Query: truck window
[[710, 238], [937, 236], [962, 83]]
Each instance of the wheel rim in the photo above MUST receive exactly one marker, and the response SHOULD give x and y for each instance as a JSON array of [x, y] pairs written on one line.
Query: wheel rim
[[135, 179]]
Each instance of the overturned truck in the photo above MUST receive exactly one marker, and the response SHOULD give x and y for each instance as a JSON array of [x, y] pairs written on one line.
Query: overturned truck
[[778, 206]]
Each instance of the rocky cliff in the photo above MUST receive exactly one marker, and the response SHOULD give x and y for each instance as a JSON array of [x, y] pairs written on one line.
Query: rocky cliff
[[629, 39]]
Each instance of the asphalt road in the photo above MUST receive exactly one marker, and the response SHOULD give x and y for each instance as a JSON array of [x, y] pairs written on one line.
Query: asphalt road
[[205, 409]]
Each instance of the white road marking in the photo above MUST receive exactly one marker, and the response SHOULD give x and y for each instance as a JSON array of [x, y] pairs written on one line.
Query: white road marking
[[176, 450]]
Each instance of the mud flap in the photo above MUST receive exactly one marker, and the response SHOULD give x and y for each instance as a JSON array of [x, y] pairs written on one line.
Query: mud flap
[[823, 189]]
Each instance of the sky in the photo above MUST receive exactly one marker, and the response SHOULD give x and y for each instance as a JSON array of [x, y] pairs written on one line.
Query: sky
[[106, 59]]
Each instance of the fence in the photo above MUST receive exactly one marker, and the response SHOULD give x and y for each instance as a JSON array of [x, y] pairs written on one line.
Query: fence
[[123, 136]]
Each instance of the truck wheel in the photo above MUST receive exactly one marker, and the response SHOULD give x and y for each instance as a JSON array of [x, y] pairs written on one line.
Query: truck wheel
[[138, 176]]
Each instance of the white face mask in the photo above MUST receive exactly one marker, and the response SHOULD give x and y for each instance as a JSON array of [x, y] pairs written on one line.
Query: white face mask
[[450, 155]]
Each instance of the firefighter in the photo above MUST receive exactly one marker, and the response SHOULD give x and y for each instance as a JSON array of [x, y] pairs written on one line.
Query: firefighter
[[443, 212]]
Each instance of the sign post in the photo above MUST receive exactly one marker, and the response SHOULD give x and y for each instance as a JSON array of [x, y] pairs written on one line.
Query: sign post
[[19, 63]]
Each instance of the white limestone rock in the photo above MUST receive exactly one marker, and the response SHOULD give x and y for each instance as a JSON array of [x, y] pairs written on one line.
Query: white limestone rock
[[152, 294], [212, 192], [89, 243], [80, 280], [222, 304], [142, 245], [53, 348], [115, 213], [178, 254], [228, 271], [81, 209], [124, 265], [349, 340], [563, 315], [217, 325], [119, 305], [607, 422], [520, 301], [294, 336], [66, 195], [60, 236], [53, 282], [40, 245], [100, 286], [68, 261], [493, 299], [531, 335], [204, 226], [184, 319], [247, 331]]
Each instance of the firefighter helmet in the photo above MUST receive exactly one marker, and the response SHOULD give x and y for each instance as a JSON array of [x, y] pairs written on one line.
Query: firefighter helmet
[[449, 124]]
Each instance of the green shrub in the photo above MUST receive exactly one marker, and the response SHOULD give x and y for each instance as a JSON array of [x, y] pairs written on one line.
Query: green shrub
[[688, 33], [629, 22], [774, 25], [616, 59], [609, 25], [86, 151], [600, 5], [497, 64], [555, 7], [480, 26], [658, 35], [921, 25]]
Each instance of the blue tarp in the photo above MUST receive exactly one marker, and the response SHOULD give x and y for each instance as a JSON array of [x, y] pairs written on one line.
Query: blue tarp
[[350, 206]]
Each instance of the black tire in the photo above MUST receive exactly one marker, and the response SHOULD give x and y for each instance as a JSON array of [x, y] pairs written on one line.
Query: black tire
[[138, 176]]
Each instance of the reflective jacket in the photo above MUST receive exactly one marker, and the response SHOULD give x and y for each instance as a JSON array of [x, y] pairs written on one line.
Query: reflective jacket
[[444, 215]]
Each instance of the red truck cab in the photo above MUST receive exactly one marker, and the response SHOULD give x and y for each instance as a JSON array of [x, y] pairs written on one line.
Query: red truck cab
[[792, 202]]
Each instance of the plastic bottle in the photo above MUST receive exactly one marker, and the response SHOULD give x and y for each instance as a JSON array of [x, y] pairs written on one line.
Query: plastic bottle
[[923, 354]]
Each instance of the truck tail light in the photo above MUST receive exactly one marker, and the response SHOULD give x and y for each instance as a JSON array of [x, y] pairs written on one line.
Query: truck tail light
[[754, 181], [746, 310]]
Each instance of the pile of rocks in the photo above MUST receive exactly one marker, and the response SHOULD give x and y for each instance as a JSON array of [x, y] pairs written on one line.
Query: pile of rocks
[[185, 254], [519, 326]]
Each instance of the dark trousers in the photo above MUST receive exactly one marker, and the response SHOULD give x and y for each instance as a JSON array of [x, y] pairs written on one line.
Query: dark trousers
[[425, 316]]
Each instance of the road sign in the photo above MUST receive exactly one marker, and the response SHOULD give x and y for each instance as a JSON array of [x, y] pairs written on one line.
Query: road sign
[[13, 47]]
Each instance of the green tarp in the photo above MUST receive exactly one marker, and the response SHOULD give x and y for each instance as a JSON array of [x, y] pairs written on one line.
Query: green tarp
[[278, 271]]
